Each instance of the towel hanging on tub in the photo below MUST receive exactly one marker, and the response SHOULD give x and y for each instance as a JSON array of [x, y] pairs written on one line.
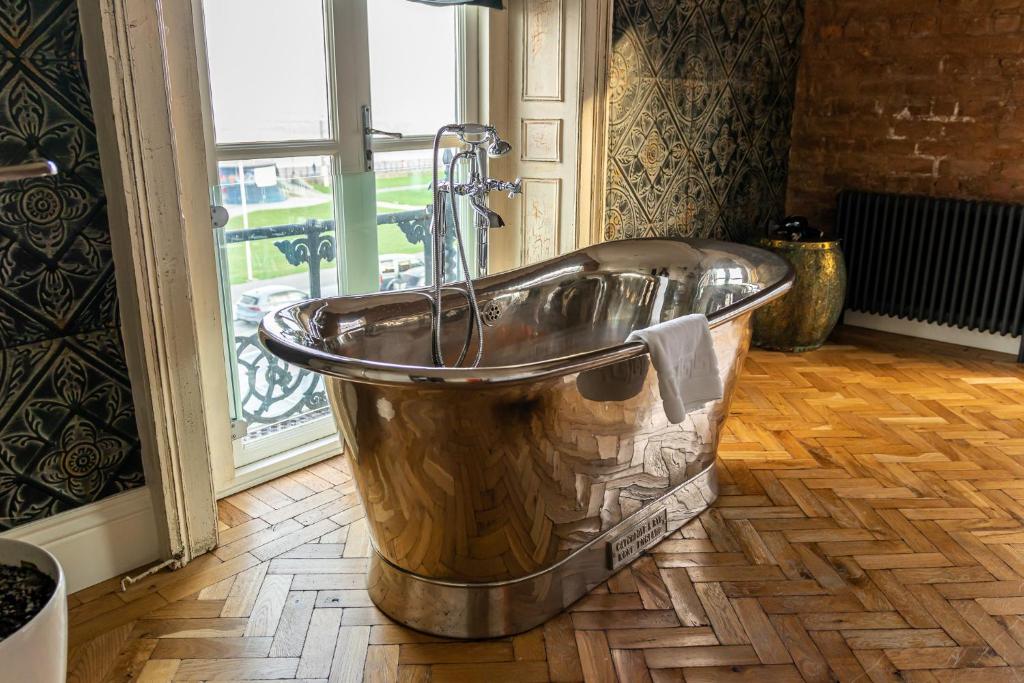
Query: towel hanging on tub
[[683, 354]]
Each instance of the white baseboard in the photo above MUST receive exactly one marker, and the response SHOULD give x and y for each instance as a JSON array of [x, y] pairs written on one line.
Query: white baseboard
[[98, 541], [941, 333]]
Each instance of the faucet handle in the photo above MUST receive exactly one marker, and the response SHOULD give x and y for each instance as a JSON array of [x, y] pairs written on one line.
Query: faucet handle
[[513, 187]]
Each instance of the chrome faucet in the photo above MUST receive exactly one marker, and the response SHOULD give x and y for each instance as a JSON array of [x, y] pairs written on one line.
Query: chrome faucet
[[480, 141], [479, 186], [486, 217]]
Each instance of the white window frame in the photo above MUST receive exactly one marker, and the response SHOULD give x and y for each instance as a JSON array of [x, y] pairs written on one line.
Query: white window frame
[[344, 23], [142, 58]]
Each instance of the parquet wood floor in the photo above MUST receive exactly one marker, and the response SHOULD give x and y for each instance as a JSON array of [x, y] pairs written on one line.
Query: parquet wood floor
[[871, 528]]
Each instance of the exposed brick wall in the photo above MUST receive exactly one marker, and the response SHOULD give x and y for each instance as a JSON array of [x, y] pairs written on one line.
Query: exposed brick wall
[[908, 96]]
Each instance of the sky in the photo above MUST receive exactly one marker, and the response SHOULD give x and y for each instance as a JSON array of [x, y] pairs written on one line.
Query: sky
[[268, 68]]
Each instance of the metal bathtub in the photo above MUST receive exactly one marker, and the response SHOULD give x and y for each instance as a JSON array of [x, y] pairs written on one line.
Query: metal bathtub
[[497, 496]]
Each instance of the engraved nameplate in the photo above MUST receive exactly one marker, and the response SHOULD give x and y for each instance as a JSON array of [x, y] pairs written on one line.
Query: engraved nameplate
[[628, 547]]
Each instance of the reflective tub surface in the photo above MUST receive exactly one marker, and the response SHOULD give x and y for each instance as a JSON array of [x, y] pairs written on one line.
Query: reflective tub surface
[[497, 496]]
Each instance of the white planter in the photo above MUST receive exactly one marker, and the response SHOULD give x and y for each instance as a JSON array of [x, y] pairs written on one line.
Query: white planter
[[38, 652]]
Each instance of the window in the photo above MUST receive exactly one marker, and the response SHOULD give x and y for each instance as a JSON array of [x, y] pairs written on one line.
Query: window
[[268, 70], [425, 39], [306, 218]]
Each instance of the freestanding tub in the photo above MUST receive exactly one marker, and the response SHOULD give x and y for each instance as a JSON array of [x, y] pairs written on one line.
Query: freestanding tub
[[497, 496]]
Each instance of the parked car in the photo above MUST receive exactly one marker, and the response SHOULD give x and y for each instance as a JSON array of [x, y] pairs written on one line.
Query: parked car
[[395, 267], [410, 279], [256, 303]]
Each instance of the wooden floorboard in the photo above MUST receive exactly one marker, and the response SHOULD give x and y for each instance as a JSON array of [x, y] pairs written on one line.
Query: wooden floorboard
[[870, 528]]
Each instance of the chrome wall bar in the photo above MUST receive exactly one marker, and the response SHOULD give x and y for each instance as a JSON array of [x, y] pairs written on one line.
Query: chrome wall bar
[[33, 169]]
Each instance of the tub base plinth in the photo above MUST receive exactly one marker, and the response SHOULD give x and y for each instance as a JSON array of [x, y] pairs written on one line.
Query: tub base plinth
[[493, 610]]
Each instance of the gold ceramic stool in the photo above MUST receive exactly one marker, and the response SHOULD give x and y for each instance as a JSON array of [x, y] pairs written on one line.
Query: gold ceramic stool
[[803, 319]]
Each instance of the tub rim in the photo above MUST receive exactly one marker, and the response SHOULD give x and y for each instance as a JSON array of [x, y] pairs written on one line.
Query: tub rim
[[273, 338]]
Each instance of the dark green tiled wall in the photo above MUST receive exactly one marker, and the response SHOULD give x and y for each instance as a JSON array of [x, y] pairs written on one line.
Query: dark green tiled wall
[[67, 426]]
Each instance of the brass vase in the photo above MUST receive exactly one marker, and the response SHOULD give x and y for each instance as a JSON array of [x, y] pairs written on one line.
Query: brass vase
[[803, 319]]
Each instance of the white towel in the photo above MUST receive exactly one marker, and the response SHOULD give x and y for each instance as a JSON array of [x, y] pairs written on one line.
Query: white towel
[[683, 355]]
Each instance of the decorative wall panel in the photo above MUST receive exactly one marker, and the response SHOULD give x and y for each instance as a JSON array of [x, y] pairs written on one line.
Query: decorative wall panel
[[542, 140], [541, 212], [700, 106], [541, 114], [542, 47], [67, 425]]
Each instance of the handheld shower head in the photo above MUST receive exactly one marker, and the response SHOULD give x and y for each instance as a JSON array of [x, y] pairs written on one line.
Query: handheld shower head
[[498, 147]]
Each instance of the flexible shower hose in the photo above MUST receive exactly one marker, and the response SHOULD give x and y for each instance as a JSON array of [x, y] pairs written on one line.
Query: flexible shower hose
[[437, 229]]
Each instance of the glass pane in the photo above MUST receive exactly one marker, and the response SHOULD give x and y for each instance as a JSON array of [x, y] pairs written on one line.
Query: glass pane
[[403, 198], [281, 216], [403, 220], [412, 66], [268, 70]]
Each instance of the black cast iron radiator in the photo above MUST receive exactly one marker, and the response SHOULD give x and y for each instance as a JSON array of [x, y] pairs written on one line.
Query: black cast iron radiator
[[947, 261]]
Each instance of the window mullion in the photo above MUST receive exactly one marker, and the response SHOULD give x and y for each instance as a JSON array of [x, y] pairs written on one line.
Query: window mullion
[[467, 85], [275, 150]]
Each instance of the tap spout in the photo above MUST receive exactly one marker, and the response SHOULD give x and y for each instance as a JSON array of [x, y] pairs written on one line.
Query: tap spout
[[486, 217]]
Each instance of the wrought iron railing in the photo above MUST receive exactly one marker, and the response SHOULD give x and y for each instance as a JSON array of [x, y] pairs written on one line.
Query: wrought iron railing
[[274, 394]]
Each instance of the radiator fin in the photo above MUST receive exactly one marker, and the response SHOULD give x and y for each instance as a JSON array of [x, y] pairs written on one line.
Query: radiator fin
[[946, 261]]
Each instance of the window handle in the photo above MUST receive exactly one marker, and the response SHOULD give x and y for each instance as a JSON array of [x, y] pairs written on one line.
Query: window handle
[[368, 136], [384, 133]]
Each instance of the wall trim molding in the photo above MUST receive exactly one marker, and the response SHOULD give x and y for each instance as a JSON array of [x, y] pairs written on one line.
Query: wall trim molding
[[100, 540], [142, 64], [569, 41], [941, 333], [593, 132]]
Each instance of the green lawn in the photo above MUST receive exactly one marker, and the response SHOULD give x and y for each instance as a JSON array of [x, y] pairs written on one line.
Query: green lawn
[[268, 262], [390, 240], [417, 198], [423, 178], [268, 217]]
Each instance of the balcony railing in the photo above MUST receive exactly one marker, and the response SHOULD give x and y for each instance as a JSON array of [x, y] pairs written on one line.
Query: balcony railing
[[272, 394]]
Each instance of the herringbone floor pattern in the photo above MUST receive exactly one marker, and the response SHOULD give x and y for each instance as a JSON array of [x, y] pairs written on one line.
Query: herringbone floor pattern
[[871, 528]]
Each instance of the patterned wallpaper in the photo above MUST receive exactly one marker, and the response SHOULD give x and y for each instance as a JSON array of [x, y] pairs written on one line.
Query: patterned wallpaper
[[700, 104], [67, 425]]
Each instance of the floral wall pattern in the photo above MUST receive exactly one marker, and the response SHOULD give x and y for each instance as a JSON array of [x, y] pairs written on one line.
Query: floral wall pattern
[[700, 105], [67, 426]]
